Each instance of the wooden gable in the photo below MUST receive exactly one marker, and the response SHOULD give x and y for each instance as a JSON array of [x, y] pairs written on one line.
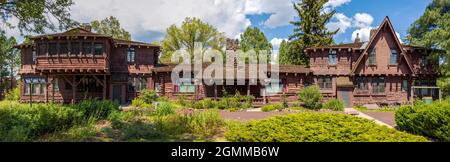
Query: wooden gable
[[383, 40]]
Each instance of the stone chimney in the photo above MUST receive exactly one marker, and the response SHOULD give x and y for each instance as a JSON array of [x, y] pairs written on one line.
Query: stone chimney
[[86, 26], [357, 39], [372, 32]]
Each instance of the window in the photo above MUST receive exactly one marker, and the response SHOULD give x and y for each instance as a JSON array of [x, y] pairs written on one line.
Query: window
[[42, 49], [405, 86], [74, 48], [372, 57], [394, 57], [157, 87], [325, 83], [55, 84], [137, 84], [275, 87], [187, 87], [362, 83], [378, 85], [86, 48], [63, 49], [98, 49], [130, 55], [332, 57], [52, 49], [33, 55], [37, 85]]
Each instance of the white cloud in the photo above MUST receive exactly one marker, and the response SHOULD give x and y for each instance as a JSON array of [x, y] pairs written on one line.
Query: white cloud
[[342, 23], [276, 42], [336, 3], [282, 11], [362, 20], [399, 38]]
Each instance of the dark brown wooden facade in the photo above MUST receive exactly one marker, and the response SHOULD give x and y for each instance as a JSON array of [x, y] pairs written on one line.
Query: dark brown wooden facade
[[380, 71], [79, 64]]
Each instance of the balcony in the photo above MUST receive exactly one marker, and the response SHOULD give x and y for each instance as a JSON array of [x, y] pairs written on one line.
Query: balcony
[[72, 64]]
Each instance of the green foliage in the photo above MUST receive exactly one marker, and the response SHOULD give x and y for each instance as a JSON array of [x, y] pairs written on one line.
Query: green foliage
[[309, 31], [335, 105], [271, 107], [431, 120], [165, 108], [311, 97], [13, 95], [148, 96], [316, 127], [96, 109], [283, 55], [111, 26], [432, 30], [138, 102], [254, 39], [191, 32], [37, 16], [9, 56]]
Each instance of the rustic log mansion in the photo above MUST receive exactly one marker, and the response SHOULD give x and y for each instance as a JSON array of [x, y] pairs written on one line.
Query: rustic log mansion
[[79, 64]]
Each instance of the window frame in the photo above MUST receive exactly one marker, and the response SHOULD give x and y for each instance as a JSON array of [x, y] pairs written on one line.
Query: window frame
[[42, 49], [405, 85], [102, 48], [131, 55], [364, 81], [393, 55], [379, 85], [332, 55], [324, 84], [65, 51], [53, 49], [372, 57], [75, 51], [84, 51]]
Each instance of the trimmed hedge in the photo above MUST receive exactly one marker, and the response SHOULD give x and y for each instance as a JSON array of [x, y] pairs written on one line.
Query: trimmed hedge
[[316, 127], [431, 120]]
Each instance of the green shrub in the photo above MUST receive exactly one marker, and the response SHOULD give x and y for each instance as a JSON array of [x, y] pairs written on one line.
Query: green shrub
[[316, 127], [284, 101], [165, 108], [96, 109], [271, 107], [13, 95], [138, 102], [204, 124], [148, 96], [431, 120], [311, 97], [335, 105]]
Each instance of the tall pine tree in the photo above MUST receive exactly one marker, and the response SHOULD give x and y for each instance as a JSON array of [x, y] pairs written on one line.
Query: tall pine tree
[[309, 30], [432, 30]]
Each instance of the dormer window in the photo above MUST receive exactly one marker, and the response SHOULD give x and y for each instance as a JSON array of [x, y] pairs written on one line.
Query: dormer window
[[332, 57], [372, 57], [393, 57]]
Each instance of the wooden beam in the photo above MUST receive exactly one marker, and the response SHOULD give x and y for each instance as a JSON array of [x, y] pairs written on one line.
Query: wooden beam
[[84, 76], [98, 80], [67, 80]]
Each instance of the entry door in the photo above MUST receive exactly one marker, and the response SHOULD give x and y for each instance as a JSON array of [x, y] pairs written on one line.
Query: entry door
[[116, 93], [345, 96]]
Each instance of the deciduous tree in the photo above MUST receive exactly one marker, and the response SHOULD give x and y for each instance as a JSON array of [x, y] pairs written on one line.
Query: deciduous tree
[[111, 26]]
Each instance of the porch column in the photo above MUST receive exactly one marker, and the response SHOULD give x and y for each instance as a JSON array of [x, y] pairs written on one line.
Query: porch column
[[215, 91], [248, 88], [74, 92], [104, 87]]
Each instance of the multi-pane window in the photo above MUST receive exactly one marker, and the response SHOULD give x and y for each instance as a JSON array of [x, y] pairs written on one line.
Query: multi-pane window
[[275, 87], [378, 85], [184, 86], [33, 55], [332, 57], [36, 84], [157, 87], [55, 84], [74, 48], [86, 48], [137, 84], [63, 49], [394, 57], [52, 49], [98, 49], [362, 83], [131, 54], [325, 82], [405, 85], [42, 49], [372, 60]]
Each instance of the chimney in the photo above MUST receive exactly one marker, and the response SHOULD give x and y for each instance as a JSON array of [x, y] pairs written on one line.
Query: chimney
[[86, 26], [372, 32], [357, 39]]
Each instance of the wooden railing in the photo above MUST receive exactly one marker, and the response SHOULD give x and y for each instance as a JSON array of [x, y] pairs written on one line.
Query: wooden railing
[[69, 63]]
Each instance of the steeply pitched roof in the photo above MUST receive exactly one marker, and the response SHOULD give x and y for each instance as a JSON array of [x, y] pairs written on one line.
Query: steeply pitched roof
[[386, 22]]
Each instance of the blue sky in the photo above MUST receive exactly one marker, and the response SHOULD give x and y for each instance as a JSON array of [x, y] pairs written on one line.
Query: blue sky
[[147, 20]]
